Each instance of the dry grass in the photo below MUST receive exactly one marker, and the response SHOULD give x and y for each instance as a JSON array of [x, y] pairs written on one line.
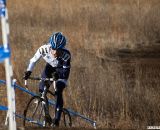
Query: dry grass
[[103, 87]]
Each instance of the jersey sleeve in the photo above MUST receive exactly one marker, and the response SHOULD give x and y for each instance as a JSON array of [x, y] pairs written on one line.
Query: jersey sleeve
[[65, 71], [34, 59]]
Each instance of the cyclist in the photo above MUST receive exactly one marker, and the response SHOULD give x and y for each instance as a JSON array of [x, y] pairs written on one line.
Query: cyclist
[[58, 66]]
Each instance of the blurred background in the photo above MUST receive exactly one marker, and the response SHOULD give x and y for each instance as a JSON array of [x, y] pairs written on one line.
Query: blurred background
[[115, 47]]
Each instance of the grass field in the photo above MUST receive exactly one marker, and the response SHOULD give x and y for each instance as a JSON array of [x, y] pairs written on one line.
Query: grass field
[[118, 91]]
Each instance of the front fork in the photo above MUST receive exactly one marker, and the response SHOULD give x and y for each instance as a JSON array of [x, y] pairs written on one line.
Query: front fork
[[45, 102]]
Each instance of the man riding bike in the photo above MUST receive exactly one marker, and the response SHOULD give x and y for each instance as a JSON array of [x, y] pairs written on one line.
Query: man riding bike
[[57, 67]]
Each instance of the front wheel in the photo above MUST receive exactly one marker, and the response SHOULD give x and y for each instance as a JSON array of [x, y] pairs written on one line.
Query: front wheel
[[34, 114]]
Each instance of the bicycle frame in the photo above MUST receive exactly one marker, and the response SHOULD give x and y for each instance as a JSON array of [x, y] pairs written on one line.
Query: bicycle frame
[[45, 104]]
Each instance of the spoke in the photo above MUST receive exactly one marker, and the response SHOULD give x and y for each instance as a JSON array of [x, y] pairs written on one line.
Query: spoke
[[37, 105]]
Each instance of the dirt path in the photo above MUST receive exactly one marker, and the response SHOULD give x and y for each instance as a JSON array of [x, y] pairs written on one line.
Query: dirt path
[[38, 128]]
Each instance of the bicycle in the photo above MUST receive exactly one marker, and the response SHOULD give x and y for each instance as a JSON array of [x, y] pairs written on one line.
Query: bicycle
[[37, 108]]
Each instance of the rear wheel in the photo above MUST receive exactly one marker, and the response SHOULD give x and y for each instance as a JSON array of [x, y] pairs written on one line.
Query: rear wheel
[[67, 121], [34, 114]]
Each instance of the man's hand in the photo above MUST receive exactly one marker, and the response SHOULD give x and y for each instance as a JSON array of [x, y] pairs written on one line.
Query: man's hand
[[27, 75], [55, 76]]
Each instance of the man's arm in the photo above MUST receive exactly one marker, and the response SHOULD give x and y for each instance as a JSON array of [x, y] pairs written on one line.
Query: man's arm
[[34, 59], [64, 72]]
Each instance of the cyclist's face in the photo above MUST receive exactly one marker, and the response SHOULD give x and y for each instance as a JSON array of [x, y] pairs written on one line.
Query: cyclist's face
[[55, 53]]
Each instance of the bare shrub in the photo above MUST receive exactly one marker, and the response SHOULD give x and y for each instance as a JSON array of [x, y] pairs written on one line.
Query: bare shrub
[[115, 92]]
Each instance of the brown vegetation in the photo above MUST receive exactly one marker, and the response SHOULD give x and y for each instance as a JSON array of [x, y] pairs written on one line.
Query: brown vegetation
[[115, 90]]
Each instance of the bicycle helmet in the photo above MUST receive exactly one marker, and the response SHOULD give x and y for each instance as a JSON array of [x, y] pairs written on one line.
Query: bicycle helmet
[[57, 41]]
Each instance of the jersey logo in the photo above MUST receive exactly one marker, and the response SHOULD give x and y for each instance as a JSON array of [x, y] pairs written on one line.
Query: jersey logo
[[43, 51], [46, 50], [66, 56]]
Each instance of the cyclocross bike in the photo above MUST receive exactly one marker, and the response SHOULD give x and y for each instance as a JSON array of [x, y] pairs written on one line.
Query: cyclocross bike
[[39, 107]]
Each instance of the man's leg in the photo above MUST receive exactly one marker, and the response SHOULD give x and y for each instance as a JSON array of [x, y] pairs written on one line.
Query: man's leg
[[59, 101], [47, 73]]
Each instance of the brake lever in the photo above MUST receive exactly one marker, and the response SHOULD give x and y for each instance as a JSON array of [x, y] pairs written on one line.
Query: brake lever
[[25, 84]]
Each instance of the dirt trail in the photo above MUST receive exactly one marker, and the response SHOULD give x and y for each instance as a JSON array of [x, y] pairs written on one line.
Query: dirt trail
[[38, 128]]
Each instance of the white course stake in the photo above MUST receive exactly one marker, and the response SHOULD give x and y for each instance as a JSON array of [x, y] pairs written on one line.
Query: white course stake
[[8, 67]]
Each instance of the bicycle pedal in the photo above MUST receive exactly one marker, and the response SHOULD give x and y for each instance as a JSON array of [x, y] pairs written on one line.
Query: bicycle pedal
[[55, 123]]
